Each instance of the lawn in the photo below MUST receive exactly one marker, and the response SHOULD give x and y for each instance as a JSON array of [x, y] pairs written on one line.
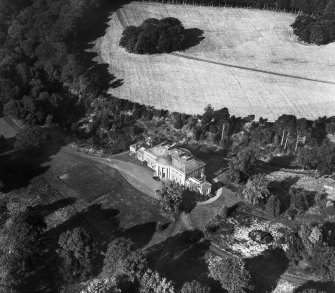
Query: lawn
[[108, 201], [202, 214], [7, 128], [80, 180], [248, 60]]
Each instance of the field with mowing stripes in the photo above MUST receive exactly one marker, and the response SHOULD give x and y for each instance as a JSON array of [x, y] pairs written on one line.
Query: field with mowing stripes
[[248, 60]]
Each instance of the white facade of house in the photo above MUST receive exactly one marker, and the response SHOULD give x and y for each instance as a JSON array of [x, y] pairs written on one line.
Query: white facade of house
[[176, 164]]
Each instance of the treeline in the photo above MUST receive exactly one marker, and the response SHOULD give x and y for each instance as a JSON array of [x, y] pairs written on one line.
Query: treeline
[[115, 125], [315, 23], [309, 140], [305, 6]]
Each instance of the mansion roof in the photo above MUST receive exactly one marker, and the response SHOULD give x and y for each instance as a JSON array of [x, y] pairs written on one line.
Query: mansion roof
[[179, 158]]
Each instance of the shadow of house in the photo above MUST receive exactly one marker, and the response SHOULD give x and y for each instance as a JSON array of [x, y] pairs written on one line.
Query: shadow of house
[[275, 262], [282, 189], [193, 37]]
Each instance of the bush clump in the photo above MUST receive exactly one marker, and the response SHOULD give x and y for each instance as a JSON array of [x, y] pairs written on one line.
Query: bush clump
[[154, 36]]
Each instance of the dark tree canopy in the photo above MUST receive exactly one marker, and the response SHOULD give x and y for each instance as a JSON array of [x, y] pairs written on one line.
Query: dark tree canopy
[[122, 260], [194, 287], [24, 234], [154, 36], [76, 253], [20, 247], [31, 139], [242, 166]]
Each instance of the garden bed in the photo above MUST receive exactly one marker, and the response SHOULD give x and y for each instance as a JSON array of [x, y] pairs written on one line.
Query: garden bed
[[233, 235]]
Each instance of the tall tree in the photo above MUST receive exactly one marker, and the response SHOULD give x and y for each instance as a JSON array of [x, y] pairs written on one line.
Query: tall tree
[[152, 282], [76, 253], [170, 197], [122, 260], [231, 273], [24, 234], [242, 166], [256, 190], [20, 247]]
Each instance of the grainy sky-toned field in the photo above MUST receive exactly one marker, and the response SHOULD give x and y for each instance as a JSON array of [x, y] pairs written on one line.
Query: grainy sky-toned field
[[249, 61]]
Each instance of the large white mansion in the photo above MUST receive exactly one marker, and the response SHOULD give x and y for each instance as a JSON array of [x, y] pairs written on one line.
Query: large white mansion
[[177, 164]]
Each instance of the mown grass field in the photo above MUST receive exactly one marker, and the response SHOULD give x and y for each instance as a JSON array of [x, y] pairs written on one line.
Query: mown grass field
[[248, 60], [6, 128]]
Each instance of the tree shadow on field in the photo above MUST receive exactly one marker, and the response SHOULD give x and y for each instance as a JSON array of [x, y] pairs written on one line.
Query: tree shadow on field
[[275, 262], [92, 27], [17, 173], [48, 209], [193, 37]]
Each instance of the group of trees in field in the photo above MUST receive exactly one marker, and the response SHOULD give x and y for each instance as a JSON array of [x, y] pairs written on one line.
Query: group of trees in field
[[314, 24], [154, 36], [318, 27]]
